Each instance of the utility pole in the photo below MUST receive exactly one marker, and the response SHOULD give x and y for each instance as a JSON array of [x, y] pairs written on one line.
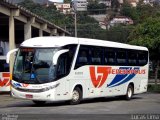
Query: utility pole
[[46, 2], [75, 17], [75, 23]]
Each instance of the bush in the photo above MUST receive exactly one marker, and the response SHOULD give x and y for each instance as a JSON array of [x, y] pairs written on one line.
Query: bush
[[154, 88]]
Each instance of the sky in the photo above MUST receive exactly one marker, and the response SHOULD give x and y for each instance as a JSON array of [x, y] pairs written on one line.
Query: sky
[[56, 0]]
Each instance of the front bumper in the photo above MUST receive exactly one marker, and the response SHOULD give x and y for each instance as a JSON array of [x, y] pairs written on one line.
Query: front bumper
[[41, 96]]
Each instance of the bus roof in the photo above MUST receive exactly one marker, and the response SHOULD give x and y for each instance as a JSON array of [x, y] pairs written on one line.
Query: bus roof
[[51, 41], [59, 41]]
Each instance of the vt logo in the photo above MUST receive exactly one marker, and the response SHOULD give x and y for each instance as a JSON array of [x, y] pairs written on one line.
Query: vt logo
[[4, 81], [99, 75]]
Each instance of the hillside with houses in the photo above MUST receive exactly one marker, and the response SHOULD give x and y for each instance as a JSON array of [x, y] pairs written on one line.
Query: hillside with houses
[[106, 13]]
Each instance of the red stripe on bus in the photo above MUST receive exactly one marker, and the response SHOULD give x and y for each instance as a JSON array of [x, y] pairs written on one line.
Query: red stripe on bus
[[5, 75], [5, 82]]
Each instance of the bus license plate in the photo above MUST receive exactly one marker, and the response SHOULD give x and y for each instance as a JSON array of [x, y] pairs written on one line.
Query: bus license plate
[[29, 96]]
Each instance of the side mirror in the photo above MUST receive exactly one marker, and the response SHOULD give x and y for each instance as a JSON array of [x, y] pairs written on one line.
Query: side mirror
[[57, 54], [9, 54]]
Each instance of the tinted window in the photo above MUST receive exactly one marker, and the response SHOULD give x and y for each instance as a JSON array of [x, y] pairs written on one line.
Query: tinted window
[[121, 57], [142, 58], [132, 57], [62, 66], [70, 56], [92, 55], [83, 57], [65, 61], [97, 56], [109, 56]]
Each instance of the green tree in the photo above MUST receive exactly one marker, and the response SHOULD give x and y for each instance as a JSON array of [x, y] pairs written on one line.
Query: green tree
[[88, 27], [119, 33], [50, 13], [129, 11], [146, 11], [147, 34], [140, 13]]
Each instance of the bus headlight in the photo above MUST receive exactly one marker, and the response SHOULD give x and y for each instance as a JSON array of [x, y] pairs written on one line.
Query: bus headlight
[[49, 88], [35, 90]]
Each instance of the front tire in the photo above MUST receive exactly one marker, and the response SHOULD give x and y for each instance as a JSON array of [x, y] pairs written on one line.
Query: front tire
[[130, 91], [76, 96]]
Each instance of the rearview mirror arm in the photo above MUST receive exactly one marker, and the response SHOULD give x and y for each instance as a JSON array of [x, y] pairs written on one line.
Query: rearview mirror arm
[[9, 54]]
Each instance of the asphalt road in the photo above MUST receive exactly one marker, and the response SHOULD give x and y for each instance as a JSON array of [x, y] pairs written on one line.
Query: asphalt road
[[102, 108]]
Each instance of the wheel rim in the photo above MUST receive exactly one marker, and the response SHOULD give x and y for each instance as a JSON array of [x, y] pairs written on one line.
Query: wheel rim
[[129, 92], [75, 96]]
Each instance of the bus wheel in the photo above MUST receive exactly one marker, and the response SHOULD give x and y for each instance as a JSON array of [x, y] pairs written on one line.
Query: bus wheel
[[39, 102], [76, 96], [129, 93]]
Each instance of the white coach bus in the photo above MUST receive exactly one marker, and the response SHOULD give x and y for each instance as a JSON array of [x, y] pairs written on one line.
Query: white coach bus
[[72, 69], [4, 73]]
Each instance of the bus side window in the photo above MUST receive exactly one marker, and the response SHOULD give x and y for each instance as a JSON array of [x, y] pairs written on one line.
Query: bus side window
[[121, 57], [142, 58], [70, 56], [109, 57], [61, 67], [132, 58], [97, 56], [66, 60], [82, 58]]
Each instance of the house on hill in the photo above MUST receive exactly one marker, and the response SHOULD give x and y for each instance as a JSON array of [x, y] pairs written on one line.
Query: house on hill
[[120, 20]]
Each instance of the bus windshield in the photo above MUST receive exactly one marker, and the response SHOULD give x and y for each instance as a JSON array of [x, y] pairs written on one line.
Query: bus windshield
[[34, 65]]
